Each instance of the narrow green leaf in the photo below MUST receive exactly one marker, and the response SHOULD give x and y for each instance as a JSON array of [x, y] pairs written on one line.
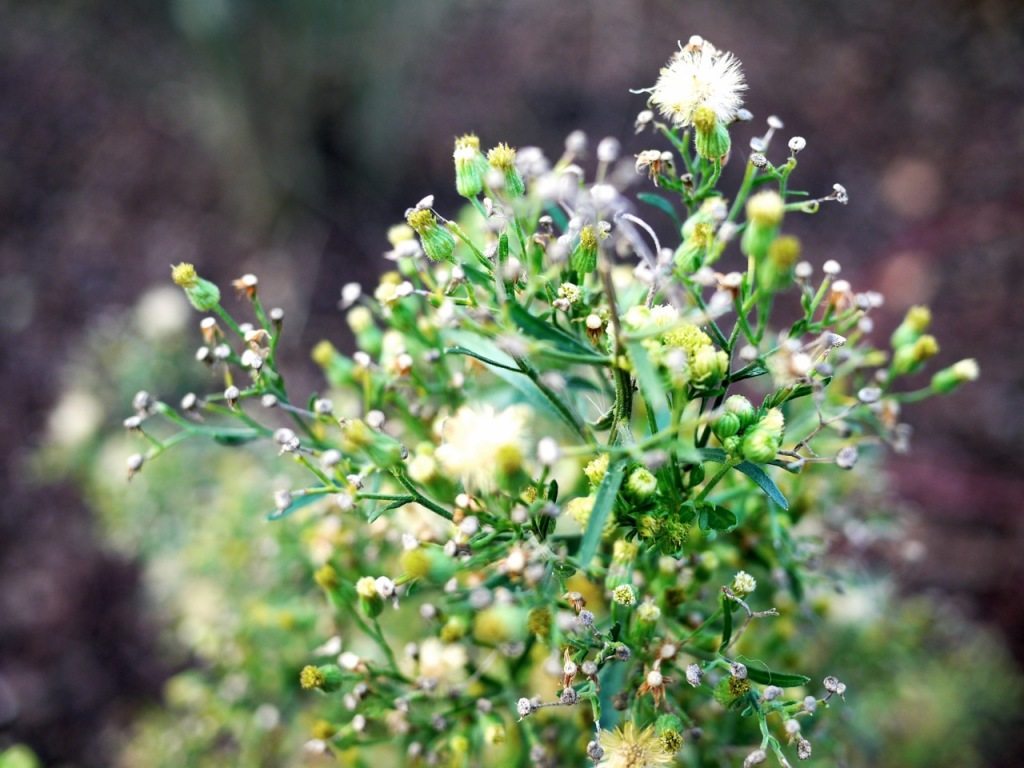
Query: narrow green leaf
[[650, 383], [715, 517], [553, 491], [544, 331], [504, 367], [727, 607], [387, 508], [751, 371], [764, 482], [503, 248], [603, 505], [298, 503], [661, 204], [235, 439], [781, 679], [785, 395]]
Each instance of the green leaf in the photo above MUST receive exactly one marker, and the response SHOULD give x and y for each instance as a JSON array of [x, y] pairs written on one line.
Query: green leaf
[[661, 204], [785, 395], [544, 331], [650, 383], [553, 491], [235, 439], [716, 455], [603, 505], [751, 371], [393, 505], [764, 482], [503, 248], [297, 503], [502, 366], [781, 679], [715, 517], [727, 607]]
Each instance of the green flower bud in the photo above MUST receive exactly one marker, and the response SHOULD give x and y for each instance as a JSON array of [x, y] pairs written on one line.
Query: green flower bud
[[453, 630], [538, 622], [763, 440], [503, 158], [438, 243], [641, 483], [369, 599], [913, 326], [596, 469], [776, 271], [711, 138], [470, 166], [327, 678], [584, 255], [667, 723], [708, 366], [730, 690], [382, 449], [732, 445], [909, 358], [690, 255], [760, 447], [429, 563], [726, 424], [500, 624], [740, 406], [202, 294], [494, 733], [624, 595], [764, 215], [948, 379]]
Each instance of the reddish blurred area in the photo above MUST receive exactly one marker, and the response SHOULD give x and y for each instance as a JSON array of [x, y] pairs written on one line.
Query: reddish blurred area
[[283, 138]]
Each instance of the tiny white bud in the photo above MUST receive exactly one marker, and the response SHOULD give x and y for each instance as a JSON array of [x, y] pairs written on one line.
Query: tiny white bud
[[548, 451], [350, 293], [608, 150], [576, 143]]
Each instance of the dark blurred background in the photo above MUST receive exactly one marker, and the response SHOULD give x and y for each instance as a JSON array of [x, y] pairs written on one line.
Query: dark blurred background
[[283, 138]]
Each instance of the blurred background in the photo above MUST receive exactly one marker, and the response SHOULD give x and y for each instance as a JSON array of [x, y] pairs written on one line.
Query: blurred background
[[284, 138]]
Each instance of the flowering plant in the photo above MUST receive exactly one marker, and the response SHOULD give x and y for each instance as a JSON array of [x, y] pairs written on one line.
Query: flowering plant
[[577, 456]]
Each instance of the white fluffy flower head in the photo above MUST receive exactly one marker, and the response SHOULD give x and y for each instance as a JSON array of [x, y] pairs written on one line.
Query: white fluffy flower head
[[479, 441], [699, 75]]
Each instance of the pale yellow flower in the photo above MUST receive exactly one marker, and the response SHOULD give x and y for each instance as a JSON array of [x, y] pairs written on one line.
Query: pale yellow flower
[[630, 747]]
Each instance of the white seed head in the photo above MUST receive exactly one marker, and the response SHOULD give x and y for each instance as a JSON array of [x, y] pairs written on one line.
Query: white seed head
[[699, 76]]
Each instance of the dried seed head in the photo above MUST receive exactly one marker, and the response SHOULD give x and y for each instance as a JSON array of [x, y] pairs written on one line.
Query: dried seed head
[[694, 674]]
